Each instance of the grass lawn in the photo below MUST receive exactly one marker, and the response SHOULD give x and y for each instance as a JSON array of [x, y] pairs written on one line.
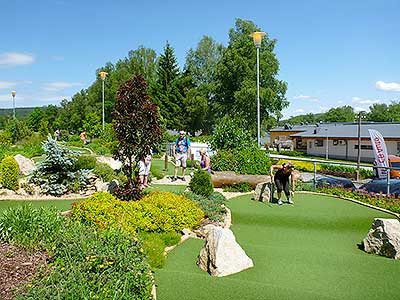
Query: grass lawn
[[305, 251], [59, 204]]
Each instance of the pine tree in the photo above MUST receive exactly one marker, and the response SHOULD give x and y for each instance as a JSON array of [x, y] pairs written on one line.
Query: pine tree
[[166, 91]]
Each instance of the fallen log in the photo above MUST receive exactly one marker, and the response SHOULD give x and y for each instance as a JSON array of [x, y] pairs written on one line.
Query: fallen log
[[220, 179]]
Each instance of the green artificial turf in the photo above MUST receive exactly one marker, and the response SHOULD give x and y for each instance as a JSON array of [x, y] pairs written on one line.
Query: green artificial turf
[[62, 205], [175, 188], [305, 251]]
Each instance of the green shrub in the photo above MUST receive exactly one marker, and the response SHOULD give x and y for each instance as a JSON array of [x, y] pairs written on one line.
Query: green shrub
[[75, 138], [289, 153], [104, 171], [9, 171], [241, 187], [211, 205], [85, 162], [156, 212], [345, 171], [30, 227], [246, 161], [154, 244], [166, 212], [88, 264], [201, 183], [230, 134]]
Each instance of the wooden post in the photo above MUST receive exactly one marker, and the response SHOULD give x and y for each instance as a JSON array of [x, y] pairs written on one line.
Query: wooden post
[[192, 159], [166, 161]]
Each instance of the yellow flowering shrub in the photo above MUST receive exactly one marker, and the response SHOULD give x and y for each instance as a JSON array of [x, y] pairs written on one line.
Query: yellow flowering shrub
[[157, 212], [301, 165]]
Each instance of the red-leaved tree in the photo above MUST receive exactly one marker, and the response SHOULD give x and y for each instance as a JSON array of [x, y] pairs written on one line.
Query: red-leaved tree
[[136, 126]]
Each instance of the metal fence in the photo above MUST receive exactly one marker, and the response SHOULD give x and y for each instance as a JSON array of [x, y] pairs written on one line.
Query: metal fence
[[320, 161]]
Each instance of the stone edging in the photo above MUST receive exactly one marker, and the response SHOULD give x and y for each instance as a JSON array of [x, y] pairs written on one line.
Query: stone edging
[[354, 201]]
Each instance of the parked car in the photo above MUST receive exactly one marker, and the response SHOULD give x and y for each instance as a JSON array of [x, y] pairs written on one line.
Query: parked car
[[394, 162], [379, 186], [333, 182]]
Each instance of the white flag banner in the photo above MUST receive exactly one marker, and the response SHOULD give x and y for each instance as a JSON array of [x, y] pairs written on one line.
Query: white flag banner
[[380, 152]]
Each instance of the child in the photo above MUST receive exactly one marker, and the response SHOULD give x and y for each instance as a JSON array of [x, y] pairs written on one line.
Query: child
[[144, 171]]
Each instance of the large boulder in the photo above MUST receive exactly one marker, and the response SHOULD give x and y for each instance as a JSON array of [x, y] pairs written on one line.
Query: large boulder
[[263, 192], [221, 255], [384, 238], [26, 165]]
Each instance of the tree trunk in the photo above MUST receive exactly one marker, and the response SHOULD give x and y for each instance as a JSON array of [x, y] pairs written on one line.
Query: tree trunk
[[230, 178]]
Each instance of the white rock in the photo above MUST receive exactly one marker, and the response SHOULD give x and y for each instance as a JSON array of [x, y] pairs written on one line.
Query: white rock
[[26, 165], [384, 238], [263, 192], [221, 255]]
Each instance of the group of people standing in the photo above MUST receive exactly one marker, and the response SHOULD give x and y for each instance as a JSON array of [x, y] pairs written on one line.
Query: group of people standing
[[181, 151], [282, 175]]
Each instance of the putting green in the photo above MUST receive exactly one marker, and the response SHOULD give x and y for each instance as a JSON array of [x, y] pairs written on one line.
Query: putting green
[[305, 251]]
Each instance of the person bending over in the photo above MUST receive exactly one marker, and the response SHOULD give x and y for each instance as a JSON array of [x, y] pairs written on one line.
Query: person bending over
[[281, 179]]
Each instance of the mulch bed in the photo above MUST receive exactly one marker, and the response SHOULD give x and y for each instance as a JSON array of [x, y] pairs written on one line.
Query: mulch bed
[[16, 268]]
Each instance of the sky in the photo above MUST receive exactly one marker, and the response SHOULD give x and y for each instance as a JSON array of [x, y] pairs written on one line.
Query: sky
[[331, 53]]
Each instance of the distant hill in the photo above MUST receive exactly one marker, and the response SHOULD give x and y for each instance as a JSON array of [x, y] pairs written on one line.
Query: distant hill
[[20, 112]]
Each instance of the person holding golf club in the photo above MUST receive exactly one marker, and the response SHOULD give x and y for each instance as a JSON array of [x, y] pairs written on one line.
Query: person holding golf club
[[281, 179]]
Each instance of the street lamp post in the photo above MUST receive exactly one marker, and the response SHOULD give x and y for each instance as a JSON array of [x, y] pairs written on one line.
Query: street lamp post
[[103, 76], [257, 37], [359, 146], [13, 93], [327, 147]]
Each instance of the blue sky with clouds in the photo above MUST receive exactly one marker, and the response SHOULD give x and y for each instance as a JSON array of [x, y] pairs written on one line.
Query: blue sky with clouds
[[331, 53]]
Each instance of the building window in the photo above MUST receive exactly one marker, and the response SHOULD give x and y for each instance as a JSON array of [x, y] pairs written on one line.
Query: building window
[[310, 144], [319, 143], [398, 146], [364, 147]]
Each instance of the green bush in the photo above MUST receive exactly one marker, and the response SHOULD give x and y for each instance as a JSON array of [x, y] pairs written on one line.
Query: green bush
[[211, 205], [201, 183], [241, 187], [156, 212], [246, 161], [29, 227], [88, 264], [154, 244], [9, 171], [85, 162], [230, 134], [104, 171], [345, 171]]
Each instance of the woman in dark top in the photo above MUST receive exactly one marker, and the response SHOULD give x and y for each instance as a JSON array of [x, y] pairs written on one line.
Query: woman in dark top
[[281, 179]]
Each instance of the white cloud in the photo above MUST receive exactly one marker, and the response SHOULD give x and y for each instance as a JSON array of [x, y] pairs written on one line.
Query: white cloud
[[299, 111], [60, 85], [14, 59], [7, 84], [305, 97], [364, 101], [388, 86]]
